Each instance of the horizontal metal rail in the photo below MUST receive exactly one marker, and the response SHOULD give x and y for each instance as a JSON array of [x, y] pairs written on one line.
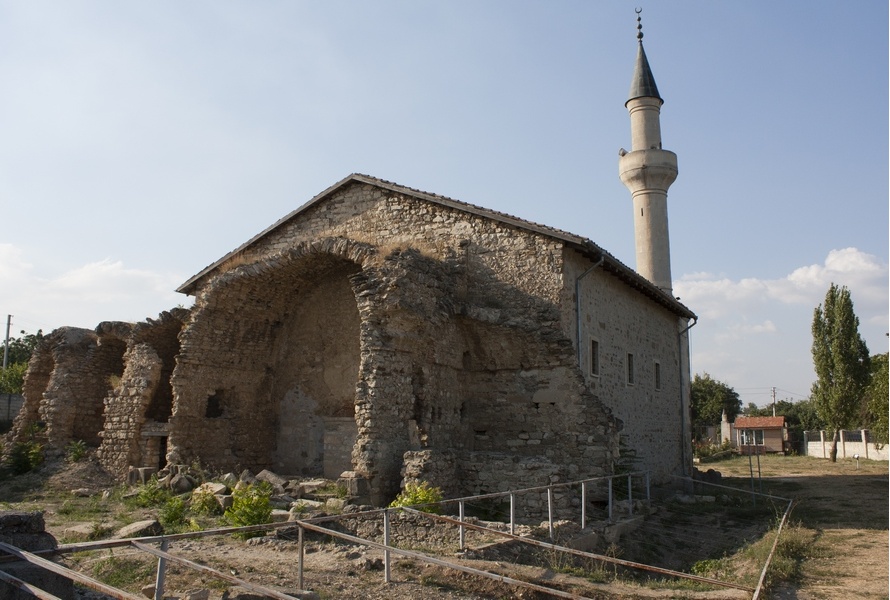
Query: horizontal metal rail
[[24, 585], [210, 571], [105, 544], [583, 554], [72, 575], [772, 551], [442, 563], [727, 487], [540, 488]]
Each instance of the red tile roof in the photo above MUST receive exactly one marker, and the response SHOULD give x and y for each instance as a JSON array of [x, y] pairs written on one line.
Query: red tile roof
[[759, 422]]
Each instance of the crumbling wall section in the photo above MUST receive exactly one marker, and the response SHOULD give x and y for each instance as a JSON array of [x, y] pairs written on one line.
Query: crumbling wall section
[[239, 369], [125, 409], [81, 385], [162, 335], [72, 403], [40, 370]]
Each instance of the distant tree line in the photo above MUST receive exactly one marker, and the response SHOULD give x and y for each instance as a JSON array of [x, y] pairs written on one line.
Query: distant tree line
[[850, 391]]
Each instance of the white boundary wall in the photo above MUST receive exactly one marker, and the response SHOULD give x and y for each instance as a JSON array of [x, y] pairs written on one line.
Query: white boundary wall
[[846, 448]]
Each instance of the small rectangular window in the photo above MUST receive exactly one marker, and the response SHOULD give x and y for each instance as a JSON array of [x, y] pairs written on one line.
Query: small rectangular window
[[595, 358], [657, 375], [630, 368], [752, 437]]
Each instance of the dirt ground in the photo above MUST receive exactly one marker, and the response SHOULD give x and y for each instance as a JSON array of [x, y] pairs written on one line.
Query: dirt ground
[[846, 508], [846, 504]]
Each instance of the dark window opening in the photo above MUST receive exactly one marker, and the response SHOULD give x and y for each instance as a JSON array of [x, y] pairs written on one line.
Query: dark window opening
[[214, 408]]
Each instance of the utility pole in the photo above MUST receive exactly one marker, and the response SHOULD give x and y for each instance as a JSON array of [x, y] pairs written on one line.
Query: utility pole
[[774, 402], [6, 345]]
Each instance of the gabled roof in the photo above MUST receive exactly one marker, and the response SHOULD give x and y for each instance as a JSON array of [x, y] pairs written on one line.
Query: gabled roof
[[759, 422], [582, 245]]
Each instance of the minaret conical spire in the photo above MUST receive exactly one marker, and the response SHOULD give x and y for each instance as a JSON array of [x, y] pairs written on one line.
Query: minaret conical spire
[[648, 171], [643, 82]]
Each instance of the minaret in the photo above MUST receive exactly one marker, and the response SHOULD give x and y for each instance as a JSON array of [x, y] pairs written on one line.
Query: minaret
[[648, 171]]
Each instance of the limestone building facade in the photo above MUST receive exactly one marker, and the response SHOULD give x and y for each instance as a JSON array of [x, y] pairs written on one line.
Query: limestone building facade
[[380, 333], [377, 320]]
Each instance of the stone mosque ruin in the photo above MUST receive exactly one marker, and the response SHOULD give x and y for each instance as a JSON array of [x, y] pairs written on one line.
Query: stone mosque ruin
[[380, 333]]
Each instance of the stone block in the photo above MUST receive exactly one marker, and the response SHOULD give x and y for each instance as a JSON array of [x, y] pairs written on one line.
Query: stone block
[[146, 528]]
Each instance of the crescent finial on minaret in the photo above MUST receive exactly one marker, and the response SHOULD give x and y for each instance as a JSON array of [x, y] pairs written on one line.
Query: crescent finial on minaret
[[639, 24]]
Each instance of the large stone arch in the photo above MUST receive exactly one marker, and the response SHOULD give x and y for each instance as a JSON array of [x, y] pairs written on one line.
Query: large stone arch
[[269, 364], [316, 363]]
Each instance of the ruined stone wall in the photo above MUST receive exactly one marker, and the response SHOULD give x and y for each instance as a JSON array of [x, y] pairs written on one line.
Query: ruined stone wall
[[40, 369], [67, 378], [96, 386], [71, 404], [458, 329], [623, 321], [125, 409]]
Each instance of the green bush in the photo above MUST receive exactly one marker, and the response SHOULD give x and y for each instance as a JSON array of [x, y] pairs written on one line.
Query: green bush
[[151, 494], [250, 506], [419, 494], [24, 457], [75, 451], [172, 514], [707, 448], [204, 503]]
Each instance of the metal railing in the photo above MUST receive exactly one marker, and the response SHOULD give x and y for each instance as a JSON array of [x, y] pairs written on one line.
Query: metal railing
[[461, 523]]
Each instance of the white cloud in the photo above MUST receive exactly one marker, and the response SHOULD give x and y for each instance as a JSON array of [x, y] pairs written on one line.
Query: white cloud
[[755, 333], [84, 296], [862, 273], [742, 330]]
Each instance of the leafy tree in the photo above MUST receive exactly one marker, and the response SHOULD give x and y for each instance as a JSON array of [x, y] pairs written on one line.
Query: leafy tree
[[752, 410], [841, 360], [13, 378], [805, 415], [21, 349], [877, 398], [709, 399]]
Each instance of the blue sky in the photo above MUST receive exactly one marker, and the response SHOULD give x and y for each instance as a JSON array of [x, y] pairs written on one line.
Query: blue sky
[[139, 142]]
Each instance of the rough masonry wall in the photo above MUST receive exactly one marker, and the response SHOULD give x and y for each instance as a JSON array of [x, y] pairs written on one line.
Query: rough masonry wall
[[71, 404], [623, 322], [125, 408], [99, 386], [458, 329]]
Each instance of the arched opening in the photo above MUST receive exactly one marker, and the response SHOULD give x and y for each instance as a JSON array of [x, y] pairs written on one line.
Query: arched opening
[[106, 367], [316, 363]]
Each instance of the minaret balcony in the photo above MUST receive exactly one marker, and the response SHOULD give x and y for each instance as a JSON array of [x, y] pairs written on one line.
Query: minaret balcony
[[653, 169]]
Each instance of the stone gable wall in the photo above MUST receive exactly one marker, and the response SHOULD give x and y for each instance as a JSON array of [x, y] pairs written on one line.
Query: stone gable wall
[[459, 334]]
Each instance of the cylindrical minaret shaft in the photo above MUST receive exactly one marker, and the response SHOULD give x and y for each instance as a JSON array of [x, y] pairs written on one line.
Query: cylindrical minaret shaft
[[648, 171]]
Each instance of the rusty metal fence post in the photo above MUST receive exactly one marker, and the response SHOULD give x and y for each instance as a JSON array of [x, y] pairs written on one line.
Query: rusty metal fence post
[[386, 565], [461, 533], [300, 559], [550, 511], [162, 571], [583, 504]]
